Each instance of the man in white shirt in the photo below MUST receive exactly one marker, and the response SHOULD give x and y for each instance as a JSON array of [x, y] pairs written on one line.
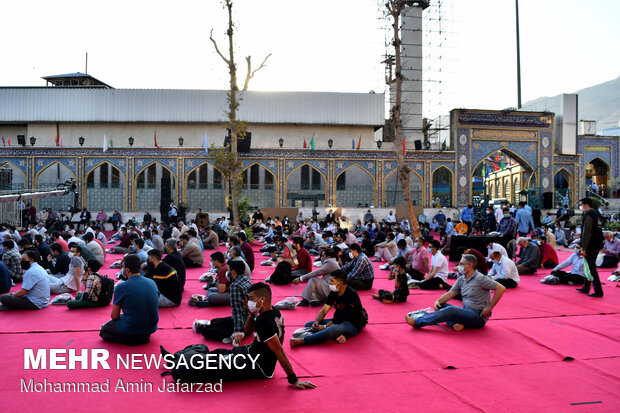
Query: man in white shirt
[[504, 270], [390, 218], [499, 212], [437, 277]]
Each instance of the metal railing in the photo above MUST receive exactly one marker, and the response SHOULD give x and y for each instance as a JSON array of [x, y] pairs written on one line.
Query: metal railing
[[208, 197], [260, 196], [355, 196], [106, 197], [394, 196], [305, 195]]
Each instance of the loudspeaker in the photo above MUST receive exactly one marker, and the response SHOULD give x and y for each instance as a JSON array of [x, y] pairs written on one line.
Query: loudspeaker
[[243, 144], [418, 145], [547, 200], [21, 140]]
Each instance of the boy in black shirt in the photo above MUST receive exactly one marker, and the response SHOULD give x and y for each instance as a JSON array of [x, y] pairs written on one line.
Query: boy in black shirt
[[402, 290], [268, 326], [165, 278], [348, 318]]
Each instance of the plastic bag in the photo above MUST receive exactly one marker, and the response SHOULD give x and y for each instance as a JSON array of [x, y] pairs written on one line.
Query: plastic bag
[[599, 259], [586, 269], [289, 303], [62, 299]]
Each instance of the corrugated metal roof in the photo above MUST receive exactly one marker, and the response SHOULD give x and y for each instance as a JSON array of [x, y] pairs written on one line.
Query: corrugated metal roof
[[159, 105]]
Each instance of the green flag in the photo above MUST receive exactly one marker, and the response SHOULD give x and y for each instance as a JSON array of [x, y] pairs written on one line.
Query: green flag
[[312, 143], [111, 143]]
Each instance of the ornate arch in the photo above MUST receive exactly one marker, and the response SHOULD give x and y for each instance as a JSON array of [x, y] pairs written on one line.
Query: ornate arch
[[452, 183], [411, 170], [36, 177]]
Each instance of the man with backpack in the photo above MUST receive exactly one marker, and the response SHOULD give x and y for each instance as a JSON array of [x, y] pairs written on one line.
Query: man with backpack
[[98, 290]]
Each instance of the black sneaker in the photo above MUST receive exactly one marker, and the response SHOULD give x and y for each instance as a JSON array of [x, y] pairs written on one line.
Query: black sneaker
[[303, 303], [316, 303]]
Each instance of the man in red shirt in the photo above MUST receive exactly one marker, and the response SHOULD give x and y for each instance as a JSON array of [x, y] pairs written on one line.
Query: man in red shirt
[[548, 254], [304, 262], [247, 249]]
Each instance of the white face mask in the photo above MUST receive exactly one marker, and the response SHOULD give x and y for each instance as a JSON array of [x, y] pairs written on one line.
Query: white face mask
[[430, 250], [254, 309], [351, 255], [415, 245], [581, 207], [460, 269], [71, 255], [333, 287]]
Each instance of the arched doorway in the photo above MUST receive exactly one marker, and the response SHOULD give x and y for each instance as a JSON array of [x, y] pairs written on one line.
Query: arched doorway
[[355, 188], [155, 188], [49, 178], [259, 186], [105, 188], [305, 187], [12, 178], [393, 195], [442, 187], [503, 173], [205, 188], [597, 171], [561, 185]]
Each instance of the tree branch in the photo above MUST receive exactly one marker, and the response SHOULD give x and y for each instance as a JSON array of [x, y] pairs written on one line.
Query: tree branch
[[217, 48], [251, 72]]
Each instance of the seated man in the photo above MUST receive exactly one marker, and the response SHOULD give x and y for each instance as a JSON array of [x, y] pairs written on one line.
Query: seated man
[[401, 292], [493, 246], [165, 278], [437, 277], [267, 325], [560, 236], [174, 259], [403, 249], [304, 261], [92, 288], [5, 279], [318, 280], [210, 240], [229, 329], [482, 262], [418, 260], [191, 253], [386, 250], [348, 319], [137, 298], [477, 304], [59, 260], [529, 257], [504, 270], [12, 259], [549, 256], [94, 247], [35, 291], [124, 244], [360, 274], [611, 249], [70, 281], [576, 276], [218, 295]]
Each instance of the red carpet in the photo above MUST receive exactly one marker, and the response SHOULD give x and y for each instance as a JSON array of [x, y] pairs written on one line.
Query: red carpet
[[546, 348]]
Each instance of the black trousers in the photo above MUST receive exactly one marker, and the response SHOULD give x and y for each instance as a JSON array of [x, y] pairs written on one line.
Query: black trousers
[[360, 285], [609, 262], [434, 283], [568, 278], [109, 332], [219, 329], [415, 274], [596, 281], [507, 282]]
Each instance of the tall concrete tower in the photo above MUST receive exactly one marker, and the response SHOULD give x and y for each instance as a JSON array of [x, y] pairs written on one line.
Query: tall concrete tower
[[411, 59]]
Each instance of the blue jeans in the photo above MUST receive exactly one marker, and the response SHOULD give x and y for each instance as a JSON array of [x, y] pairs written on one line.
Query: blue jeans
[[330, 333], [452, 315]]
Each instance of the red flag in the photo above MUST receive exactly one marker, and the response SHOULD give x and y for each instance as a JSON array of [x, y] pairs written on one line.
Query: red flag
[[404, 146], [57, 140], [9, 141], [155, 139], [305, 146], [497, 157], [359, 143]]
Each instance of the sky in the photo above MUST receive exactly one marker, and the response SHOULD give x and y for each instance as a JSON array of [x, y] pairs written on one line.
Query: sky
[[319, 45]]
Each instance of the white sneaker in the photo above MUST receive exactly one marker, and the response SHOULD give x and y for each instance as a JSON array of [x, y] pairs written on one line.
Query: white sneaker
[[384, 267], [199, 325], [205, 277], [227, 340], [419, 313]]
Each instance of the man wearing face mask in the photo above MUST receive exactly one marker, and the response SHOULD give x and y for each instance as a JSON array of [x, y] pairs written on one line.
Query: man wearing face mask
[[504, 270], [304, 261], [137, 299], [35, 291], [267, 325], [69, 282], [591, 244], [165, 277], [576, 276], [348, 319], [508, 226], [318, 280], [218, 295], [437, 277], [418, 260], [174, 259], [229, 329], [477, 304], [360, 274]]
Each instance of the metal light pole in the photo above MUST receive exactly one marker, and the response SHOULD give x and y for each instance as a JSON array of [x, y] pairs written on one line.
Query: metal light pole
[[518, 58]]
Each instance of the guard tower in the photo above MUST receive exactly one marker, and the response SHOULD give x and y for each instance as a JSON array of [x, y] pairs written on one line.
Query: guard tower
[[75, 80]]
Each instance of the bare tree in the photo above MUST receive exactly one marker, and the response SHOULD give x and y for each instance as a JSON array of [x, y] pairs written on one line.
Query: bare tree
[[237, 127], [394, 9]]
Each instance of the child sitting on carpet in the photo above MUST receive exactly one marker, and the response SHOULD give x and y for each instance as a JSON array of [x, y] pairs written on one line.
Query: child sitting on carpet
[[92, 288], [402, 290]]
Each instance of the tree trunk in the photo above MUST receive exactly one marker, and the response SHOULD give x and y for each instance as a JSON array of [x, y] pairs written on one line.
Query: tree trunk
[[232, 117], [395, 10]]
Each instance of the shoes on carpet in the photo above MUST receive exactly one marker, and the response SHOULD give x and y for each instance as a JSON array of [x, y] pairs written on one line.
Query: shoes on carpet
[[419, 313], [303, 303], [227, 340], [376, 260], [595, 295], [581, 290], [199, 325], [316, 303], [385, 266]]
